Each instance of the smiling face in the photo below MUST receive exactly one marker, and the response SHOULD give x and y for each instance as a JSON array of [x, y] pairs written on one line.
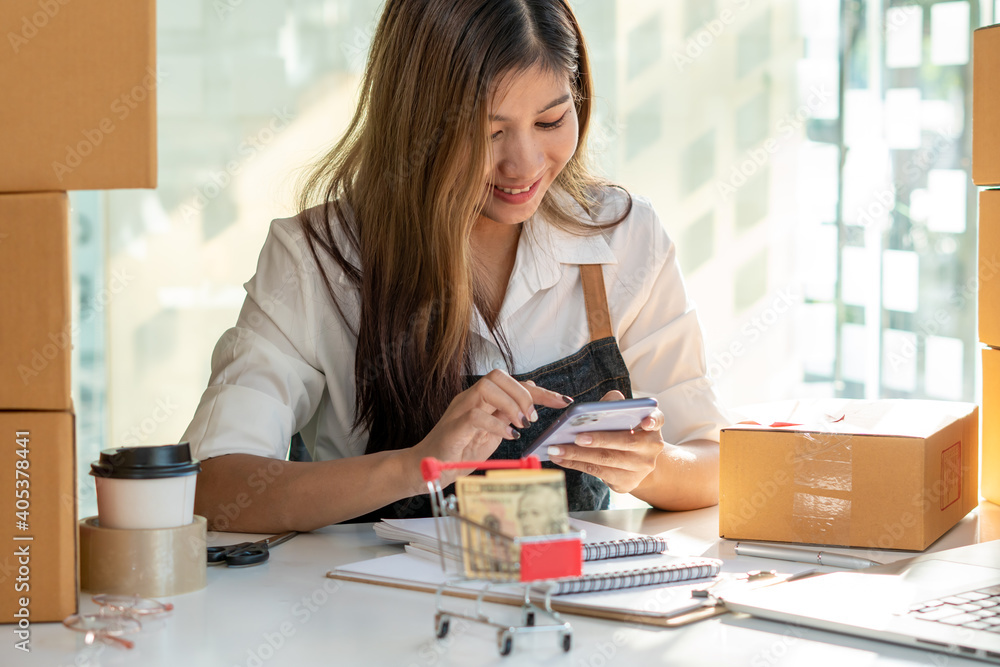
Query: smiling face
[[534, 133]]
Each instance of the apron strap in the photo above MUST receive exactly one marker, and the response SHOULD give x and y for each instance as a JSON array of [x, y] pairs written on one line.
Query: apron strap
[[595, 298]]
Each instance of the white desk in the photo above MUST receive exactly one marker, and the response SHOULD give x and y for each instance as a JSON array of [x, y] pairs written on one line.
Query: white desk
[[287, 612]]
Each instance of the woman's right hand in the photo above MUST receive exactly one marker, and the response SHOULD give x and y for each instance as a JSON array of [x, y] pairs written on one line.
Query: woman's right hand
[[476, 420]]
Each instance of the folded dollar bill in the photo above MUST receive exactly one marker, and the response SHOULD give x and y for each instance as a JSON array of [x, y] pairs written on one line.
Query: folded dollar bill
[[505, 504]]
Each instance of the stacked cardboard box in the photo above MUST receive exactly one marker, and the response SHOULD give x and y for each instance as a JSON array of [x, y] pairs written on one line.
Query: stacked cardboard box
[[986, 172], [79, 83], [886, 474]]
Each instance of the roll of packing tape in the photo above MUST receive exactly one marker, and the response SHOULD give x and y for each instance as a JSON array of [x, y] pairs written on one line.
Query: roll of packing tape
[[147, 562]]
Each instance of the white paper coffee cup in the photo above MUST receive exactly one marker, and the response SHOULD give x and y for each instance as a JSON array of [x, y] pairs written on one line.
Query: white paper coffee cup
[[146, 487]]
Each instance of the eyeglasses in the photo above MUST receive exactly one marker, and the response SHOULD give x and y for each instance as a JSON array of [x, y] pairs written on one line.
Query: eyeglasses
[[117, 615]]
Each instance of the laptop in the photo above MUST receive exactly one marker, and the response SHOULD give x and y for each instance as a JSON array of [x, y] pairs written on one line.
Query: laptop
[[947, 601]]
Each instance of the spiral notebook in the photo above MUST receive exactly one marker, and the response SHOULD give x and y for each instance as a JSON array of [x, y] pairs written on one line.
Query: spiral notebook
[[640, 589], [600, 542]]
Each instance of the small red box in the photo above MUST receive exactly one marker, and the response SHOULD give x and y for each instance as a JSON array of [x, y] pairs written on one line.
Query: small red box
[[551, 558]]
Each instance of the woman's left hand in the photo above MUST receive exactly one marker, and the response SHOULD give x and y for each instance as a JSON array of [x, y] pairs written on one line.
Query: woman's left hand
[[621, 458]]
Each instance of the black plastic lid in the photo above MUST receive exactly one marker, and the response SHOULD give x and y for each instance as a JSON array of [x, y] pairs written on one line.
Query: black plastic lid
[[146, 462]]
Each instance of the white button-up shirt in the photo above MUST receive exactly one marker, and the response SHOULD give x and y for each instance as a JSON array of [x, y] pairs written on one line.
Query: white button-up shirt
[[288, 364]]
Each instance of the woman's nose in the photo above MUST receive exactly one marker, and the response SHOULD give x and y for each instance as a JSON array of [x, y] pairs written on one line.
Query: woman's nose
[[522, 159]]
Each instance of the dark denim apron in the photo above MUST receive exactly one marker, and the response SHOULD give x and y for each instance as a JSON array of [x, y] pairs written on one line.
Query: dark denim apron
[[587, 375]]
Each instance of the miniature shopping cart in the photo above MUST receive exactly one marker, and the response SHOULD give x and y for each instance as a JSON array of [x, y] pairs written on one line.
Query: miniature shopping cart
[[531, 564]]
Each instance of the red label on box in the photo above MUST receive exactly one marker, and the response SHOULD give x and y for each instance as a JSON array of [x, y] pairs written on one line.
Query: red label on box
[[551, 559], [951, 475]]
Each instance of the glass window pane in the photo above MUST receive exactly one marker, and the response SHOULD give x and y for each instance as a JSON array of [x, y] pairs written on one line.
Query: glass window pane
[[817, 328], [948, 191], [902, 125], [855, 276], [900, 280], [904, 36], [899, 360], [950, 33], [944, 361], [853, 353]]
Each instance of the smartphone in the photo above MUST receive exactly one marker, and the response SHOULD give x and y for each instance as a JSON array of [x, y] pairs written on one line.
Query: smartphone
[[598, 416]]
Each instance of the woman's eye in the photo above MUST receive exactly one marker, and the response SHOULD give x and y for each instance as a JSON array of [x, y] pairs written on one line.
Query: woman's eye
[[552, 125], [545, 126]]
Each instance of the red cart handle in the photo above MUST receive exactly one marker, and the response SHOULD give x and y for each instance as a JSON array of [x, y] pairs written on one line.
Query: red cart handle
[[431, 468]]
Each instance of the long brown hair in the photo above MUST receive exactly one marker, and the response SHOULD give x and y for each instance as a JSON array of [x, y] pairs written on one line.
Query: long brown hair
[[405, 186]]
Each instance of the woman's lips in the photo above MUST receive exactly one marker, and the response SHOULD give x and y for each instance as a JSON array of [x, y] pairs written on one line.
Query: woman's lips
[[518, 198]]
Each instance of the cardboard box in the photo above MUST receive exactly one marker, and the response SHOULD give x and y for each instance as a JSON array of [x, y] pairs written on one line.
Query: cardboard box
[[986, 106], [79, 90], [989, 267], [991, 425], [38, 557], [890, 474], [35, 312]]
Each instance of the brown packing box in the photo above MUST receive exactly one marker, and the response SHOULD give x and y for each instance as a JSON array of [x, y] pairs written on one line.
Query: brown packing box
[[38, 486], [986, 106], [989, 267], [35, 317], [991, 425], [79, 95], [887, 474]]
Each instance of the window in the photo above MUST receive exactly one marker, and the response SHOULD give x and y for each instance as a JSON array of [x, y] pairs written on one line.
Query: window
[[809, 157]]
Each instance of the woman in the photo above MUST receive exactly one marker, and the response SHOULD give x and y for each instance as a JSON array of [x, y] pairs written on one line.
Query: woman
[[462, 280]]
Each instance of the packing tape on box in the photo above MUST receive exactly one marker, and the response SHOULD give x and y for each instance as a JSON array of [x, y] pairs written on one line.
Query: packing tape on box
[[144, 562], [822, 462]]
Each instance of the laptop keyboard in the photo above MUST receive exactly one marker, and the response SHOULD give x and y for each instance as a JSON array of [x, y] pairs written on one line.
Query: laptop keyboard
[[976, 610]]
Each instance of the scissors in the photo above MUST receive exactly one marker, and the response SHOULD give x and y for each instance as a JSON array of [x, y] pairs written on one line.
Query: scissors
[[246, 554]]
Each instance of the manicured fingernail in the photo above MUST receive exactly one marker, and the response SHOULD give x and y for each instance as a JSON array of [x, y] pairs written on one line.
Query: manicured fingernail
[[512, 434], [554, 451], [567, 399], [534, 415], [531, 383], [520, 416], [584, 439]]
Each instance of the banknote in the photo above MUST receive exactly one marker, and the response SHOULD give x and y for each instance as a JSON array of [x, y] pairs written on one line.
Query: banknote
[[508, 504]]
